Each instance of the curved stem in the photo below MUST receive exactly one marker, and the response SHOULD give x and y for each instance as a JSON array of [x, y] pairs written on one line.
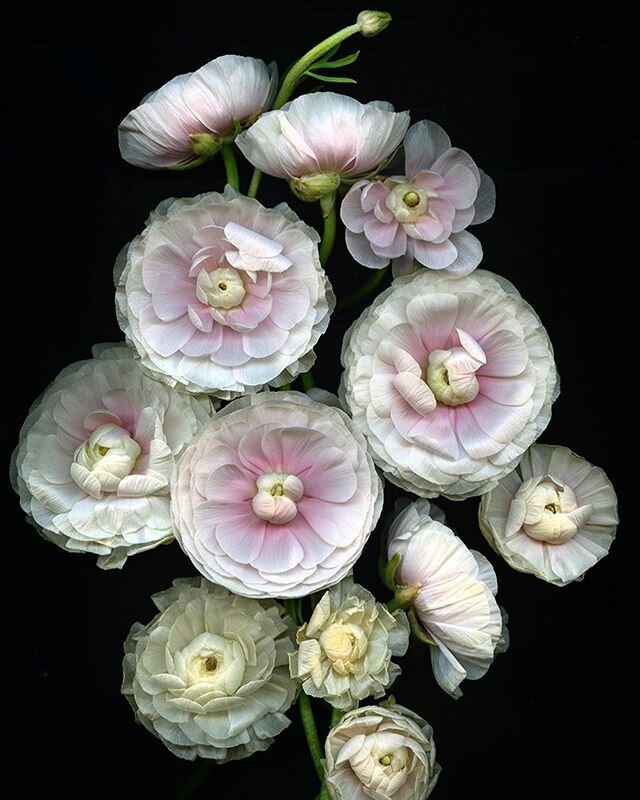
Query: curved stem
[[255, 183], [292, 77], [336, 716], [231, 166], [308, 381], [328, 235], [311, 732], [364, 291]]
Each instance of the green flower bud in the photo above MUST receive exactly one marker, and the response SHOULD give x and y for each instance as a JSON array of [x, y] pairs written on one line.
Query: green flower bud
[[373, 22], [205, 145], [312, 187]]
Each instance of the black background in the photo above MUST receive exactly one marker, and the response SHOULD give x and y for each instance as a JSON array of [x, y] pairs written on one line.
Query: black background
[[524, 91]]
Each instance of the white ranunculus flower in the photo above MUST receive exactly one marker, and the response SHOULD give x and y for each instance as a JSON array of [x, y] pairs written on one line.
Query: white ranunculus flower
[[221, 295], [450, 379], [96, 453], [454, 598], [382, 752], [554, 516], [345, 649], [208, 675]]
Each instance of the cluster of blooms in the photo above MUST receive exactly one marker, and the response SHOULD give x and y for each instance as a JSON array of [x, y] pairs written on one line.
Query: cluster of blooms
[[448, 381]]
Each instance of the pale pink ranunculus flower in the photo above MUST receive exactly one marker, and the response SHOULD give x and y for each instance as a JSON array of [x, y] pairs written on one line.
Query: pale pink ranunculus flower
[[187, 119], [384, 752], [450, 379], [96, 454], [319, 138], [276, 497], [555, 516], [455, 602], [423, 214], [222, 295]]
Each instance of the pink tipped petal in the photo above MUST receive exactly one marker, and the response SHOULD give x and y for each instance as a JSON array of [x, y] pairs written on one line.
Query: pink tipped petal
[[469, 253], [351, 212], [360, 249], [460, 187], [485, 202], [424, 142], [434, 256]]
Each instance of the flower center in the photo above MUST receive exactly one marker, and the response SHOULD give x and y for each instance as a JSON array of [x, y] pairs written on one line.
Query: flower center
[[551, 513], [408, 202], [210, 663], [276, 498], [108, 456], [410, 199], [344, 645], [451, 374], [220, 288], [386, 760]]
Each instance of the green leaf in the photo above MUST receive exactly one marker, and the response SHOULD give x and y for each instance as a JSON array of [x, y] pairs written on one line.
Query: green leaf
[[341, 62], [329, 78]]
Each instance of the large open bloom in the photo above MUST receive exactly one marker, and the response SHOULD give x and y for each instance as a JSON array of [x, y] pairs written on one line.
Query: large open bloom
[[319, 138], [455, 601], [344, 651], [423, 214], [554, 516], [187, 119], [276, 497], [450, 379], [382, 752], [222, 295], [208, 675], [96, 454]]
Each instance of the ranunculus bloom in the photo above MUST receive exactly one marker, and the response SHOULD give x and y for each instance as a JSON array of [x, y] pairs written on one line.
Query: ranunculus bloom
[[96, 454], [423, 214], [222, 295], [277, 497], [382, 752], [319, 138], [456, 599], [187, 119], [345, 649], [208, 675], [554, 516], [450, 379]]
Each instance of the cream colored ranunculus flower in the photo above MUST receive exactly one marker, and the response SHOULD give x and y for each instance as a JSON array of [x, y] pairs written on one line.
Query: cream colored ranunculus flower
[[345, 649], [208, 675], [381, 753]]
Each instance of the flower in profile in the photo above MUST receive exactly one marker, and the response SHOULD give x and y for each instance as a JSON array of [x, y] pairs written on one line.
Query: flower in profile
[[276, 497], [345, 649], [222, 295], [208, 675], [423, 214], [454, 592], [554, 516], [188, 119], [318, 139], [450, 379], [381, 752], [96, 453]]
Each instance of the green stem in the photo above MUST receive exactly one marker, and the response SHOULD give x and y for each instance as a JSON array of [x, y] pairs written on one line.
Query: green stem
[[231, 166], [328, 235], [393, 605], [311, 732], [364, 291], [307, 380], [255, 183], [296, 72], [336, 716]]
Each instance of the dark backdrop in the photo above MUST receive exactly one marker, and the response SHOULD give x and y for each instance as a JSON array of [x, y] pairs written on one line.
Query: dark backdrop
[[524, 92]]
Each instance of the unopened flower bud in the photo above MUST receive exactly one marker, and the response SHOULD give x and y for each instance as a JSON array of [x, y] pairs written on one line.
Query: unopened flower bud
[[373, 22], [311, 188]]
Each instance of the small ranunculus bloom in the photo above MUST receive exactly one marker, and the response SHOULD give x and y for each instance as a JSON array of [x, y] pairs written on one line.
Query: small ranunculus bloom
[[187, 120], [423, 214], [450, 379], [320, 138], [96, 453], [455, 601], [381, 752], [208, 675], [345, 649], [222, 295], [554, 516], [277, 497]]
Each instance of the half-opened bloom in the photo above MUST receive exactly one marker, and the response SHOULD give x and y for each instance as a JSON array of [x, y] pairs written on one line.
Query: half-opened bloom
[[276, 497], [345, 649], [222, 295], [450, 379], [455, 599], [423, 214], [96, 453], [554, 516], [208, 675], [186, 120], [382, 752], [319, 138]]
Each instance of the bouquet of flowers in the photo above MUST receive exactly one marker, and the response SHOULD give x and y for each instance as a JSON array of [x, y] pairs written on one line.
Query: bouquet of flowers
[[205, 425]]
